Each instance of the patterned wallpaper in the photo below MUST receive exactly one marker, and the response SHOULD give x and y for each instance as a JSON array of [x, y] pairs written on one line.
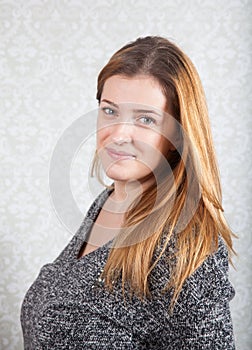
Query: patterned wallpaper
[[50, 54]]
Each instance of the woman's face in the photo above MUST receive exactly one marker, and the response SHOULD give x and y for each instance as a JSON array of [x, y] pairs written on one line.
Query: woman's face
[[133, 129]]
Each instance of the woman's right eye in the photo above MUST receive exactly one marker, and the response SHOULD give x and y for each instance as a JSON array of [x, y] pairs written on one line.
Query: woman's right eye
[[108, 111]]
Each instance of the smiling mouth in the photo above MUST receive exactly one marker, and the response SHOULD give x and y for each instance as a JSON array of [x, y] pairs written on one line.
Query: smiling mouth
[[119, 155]]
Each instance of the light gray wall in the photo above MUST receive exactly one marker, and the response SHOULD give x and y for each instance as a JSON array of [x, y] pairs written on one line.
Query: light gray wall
[[50, 54]]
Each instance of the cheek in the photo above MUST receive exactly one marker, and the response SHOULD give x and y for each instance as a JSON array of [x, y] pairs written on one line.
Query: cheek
[[101, 136], [158, 143], [155, 150]]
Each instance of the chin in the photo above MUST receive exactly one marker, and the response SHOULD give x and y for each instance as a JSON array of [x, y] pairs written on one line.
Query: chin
[[118, 177], [128, 173], [128, 177]]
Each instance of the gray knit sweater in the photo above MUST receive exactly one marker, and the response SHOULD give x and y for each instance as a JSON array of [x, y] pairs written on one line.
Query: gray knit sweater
[[67, 306]]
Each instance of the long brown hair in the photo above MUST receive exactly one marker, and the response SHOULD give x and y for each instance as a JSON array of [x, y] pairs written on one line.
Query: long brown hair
[[162, 60]]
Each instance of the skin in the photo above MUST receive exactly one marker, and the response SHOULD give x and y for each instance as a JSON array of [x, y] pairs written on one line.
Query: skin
[[133, 133], [131, 143]]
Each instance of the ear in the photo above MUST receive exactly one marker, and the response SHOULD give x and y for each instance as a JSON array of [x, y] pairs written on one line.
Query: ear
[[172, 148], [176, 141]]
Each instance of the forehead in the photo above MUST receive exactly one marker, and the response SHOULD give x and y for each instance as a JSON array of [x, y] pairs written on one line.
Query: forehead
[[140, 89]]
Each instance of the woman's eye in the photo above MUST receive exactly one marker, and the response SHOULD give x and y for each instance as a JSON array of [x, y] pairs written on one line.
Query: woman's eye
[[146, 120], [108, 111]]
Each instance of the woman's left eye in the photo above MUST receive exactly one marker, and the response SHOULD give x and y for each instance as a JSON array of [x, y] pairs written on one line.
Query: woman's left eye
[[147, 120]]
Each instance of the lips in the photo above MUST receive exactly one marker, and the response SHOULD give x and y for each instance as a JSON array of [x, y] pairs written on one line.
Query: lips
[[120, 155]]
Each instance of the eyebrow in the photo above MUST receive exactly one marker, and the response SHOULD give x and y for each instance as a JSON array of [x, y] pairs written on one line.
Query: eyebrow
[[110, 102], [134, 110]]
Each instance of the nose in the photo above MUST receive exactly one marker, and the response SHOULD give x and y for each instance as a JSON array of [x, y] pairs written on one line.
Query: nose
[[122, 133]]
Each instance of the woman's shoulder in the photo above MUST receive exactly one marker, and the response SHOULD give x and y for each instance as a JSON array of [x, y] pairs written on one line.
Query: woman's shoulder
[[213, 272], [209, 284]]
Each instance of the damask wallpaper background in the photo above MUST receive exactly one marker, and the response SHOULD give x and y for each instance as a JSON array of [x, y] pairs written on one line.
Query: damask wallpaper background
[[50, 54]]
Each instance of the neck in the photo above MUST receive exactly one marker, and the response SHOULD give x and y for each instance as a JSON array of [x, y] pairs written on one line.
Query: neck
[[126, 192], [123, 195]]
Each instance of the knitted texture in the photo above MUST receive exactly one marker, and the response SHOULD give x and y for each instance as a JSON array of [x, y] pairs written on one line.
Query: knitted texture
[[67, 307]]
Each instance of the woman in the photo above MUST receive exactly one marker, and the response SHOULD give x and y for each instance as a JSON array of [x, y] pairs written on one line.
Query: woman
[[148, 267]]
